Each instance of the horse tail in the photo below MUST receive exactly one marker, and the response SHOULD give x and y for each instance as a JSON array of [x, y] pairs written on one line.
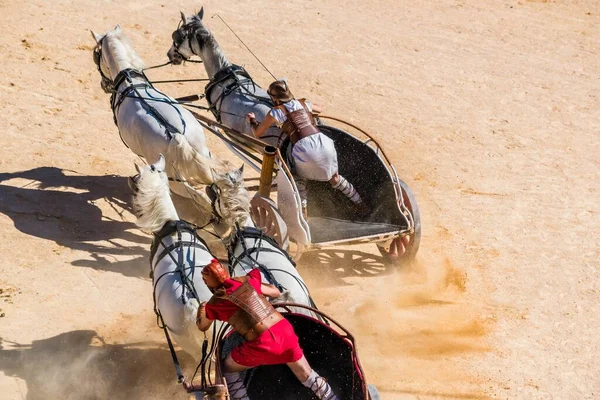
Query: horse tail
[[184, 162]]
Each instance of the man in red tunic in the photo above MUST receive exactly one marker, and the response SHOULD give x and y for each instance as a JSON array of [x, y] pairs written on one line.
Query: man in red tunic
[[270, 338]]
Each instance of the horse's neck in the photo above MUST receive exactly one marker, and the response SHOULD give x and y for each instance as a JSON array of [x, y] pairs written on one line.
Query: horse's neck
[[212, 56], [122, 57], [157, 212]]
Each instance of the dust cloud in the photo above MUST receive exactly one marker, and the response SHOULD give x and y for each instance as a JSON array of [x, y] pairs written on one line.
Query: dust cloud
[[416, 323], [85, 364]]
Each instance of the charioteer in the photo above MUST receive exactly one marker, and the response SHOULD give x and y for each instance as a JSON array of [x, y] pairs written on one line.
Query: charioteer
[[270, 338], [313, 154]]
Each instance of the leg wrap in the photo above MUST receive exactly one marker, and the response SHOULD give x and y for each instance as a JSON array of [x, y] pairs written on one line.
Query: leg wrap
[[319, 386], [236, 387], [349, 191]]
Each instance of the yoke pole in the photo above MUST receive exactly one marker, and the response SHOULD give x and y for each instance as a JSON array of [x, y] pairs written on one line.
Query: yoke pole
[[266, 172]]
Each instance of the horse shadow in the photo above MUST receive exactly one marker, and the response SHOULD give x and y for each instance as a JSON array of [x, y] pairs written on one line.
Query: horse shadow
[[49, 204], [333, 265], [81, 365]]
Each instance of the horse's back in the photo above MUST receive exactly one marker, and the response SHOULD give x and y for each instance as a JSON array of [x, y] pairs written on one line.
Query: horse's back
[[279, 265], [169, 287], [144, 130], [238, 103]]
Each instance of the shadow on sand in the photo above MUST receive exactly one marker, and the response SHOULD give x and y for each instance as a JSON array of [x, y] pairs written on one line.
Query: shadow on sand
[[39, 206], [333, 265], [80, 365]]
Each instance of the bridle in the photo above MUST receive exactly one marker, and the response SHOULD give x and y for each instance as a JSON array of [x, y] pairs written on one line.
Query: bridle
[[214, 194], [106, 83], [179, 36]]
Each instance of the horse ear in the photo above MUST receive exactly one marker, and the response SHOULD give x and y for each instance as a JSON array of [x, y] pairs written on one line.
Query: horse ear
[[183, 18], [96, 37], [241, 170], [137, 168], [160, 164], [118, 29], [201, 13]]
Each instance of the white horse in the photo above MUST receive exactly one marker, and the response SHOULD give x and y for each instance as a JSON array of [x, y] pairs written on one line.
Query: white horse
[[177, 257], [231, 92], [250, 248], [151, 123]]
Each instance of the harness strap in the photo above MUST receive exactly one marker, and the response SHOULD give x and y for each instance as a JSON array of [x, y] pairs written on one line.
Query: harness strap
[[131, 91], [233, 72], [254, 233], [168, 229], [178, 371]]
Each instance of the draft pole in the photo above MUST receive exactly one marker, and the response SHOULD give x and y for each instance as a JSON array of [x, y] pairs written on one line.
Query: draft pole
[[266, 171]]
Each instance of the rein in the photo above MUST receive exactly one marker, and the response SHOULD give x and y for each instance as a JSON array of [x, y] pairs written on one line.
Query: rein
[[169, 229], [132, 91]]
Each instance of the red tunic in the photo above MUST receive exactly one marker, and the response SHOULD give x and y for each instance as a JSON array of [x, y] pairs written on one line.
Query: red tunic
[[277, 345]]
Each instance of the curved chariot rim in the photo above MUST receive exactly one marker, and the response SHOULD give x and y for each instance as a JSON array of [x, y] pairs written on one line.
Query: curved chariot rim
[[326, 320]]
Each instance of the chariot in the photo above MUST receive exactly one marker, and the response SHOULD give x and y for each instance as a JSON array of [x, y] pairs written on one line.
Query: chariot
[[392, 223], [328, 346]]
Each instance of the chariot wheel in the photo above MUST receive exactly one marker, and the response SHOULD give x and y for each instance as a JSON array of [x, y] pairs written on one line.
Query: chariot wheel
[[267, 218], [404, 249]]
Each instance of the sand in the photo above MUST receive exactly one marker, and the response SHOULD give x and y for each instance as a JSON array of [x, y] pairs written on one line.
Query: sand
[[489, 111]]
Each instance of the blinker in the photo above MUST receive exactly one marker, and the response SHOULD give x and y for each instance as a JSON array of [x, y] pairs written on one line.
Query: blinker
[[177, 38]]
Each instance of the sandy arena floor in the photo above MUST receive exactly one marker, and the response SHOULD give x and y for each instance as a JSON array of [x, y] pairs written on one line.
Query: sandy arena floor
[[489, 110]]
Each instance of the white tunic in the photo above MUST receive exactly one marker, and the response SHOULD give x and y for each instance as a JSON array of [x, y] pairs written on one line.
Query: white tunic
[[313, 157]]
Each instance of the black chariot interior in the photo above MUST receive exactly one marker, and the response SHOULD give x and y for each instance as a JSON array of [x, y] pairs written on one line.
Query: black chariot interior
[[327, 353], [334, 217]]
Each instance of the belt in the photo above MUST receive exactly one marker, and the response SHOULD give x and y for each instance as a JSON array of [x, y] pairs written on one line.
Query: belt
[[262, 326], [297, 136]]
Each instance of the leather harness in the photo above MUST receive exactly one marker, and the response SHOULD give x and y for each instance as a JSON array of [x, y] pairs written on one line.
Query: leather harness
[[255, 314], [299, 124]]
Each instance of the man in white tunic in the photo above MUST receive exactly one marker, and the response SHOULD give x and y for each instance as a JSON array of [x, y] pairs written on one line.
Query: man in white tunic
[[313, 155]]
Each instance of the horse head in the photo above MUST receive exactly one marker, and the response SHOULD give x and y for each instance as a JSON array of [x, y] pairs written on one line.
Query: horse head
[[229, 197], [112, 54], [192, 38], [152, 204], [181, 50]]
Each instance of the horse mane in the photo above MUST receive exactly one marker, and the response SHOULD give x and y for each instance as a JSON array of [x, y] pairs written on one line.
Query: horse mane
[[196, 26], [207, 41], [123, 53], [152, 204], [235, 199]]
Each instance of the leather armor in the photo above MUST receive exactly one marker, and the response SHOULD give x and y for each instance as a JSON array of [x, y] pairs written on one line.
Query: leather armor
[[299, 124], [255, 315]]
